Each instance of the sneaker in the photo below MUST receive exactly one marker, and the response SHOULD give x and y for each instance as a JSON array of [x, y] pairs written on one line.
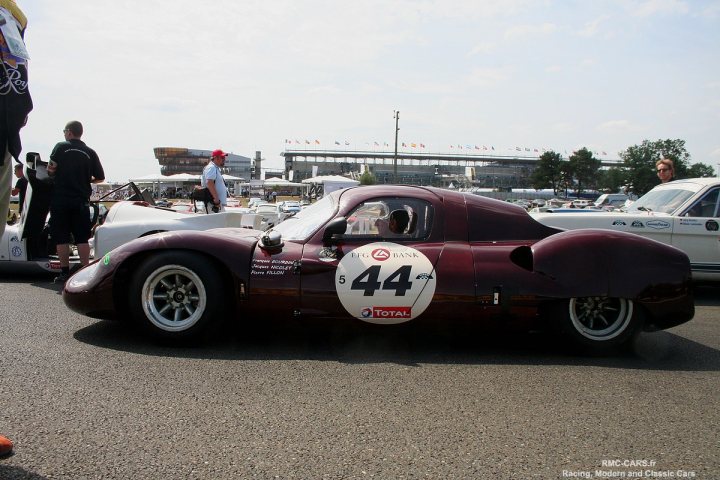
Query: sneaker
[[62, 278], [6, 446]]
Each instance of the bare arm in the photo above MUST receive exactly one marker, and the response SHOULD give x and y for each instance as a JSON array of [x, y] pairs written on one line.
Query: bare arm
[[213, 190]]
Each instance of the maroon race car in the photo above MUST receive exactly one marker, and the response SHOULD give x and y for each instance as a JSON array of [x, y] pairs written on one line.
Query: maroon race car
[[393, 254]]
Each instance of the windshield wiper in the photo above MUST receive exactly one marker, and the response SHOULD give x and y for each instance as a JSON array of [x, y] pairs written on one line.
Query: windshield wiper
[[645, 209]]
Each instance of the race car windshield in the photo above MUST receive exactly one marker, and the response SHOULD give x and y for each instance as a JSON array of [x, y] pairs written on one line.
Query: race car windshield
[[305, 222], [664, 200]]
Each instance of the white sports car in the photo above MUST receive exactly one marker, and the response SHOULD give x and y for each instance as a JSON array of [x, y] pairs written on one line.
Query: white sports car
[[27, 245], [128, 220], [683, 213]]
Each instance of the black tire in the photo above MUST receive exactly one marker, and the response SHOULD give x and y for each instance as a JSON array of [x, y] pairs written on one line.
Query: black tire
[[177, 295], [598, 324]]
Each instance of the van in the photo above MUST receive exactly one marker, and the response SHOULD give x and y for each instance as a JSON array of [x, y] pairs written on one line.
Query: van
[[611, 201]]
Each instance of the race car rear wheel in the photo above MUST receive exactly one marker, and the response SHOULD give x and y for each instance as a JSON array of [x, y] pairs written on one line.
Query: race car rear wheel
[[177, 295], [598, 323]]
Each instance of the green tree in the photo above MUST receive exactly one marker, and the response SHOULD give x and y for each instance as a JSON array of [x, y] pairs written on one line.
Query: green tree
[[639, 161], [583, 168], [611, 180], [367, 178], [697, 170], [549, 172]]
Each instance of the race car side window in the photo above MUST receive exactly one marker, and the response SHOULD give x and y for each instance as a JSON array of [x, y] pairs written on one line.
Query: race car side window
[[707, 206], [391, 218]]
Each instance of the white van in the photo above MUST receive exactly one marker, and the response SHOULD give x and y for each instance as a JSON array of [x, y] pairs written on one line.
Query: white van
[[611, 201]]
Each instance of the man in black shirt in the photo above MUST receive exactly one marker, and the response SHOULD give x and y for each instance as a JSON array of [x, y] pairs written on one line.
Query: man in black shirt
[[20, 186], [74, 166]]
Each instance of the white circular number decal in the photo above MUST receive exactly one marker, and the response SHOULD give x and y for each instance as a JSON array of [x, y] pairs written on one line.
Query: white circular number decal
[[385, 283]]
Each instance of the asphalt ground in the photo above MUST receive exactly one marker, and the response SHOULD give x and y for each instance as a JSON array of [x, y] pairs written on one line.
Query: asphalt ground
[[85, 399]]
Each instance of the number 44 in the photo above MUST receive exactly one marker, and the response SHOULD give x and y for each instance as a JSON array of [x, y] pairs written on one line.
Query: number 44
[[367, 281]]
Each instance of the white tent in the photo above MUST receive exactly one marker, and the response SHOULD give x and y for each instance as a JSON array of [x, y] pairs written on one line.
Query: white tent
[[183, 177], [331, 183], [280, 182], [152, 178]]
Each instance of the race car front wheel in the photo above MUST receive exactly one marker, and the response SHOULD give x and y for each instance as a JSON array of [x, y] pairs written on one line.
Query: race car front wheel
[[599, 323], [177, 295]]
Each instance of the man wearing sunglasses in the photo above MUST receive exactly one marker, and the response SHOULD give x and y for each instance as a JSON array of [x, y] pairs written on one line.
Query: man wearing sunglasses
[[665, 170]]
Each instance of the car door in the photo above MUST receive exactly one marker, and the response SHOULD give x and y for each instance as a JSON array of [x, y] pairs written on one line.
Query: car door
[[371, 274], [696, 232]]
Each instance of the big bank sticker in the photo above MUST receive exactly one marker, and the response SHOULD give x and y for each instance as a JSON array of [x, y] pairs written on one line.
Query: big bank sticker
[[385, 283]]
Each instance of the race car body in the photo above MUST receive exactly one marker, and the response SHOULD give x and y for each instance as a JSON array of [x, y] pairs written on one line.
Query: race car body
[[450, 257]]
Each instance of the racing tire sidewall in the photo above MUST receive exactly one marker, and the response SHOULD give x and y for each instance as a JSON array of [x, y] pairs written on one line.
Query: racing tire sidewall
[[617, 322], [194, 283]]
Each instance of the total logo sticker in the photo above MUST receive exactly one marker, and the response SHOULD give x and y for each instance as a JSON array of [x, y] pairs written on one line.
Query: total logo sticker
[[385, 283]]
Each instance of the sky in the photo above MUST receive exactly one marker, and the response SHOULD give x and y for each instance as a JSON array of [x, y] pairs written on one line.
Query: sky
[[251, 75]]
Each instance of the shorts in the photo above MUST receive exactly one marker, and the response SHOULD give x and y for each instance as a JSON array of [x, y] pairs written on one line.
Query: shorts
[[70, 220]]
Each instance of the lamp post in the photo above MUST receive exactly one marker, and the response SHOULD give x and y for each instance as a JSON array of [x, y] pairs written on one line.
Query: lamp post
[[396, 116]]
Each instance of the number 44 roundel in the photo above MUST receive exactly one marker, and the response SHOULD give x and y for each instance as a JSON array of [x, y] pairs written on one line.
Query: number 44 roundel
[[385, 283]]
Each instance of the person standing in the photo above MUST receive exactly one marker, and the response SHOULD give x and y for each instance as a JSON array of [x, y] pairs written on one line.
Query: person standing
[[74, 167], [665, 170], [15, 100], [212, 179], [20, 186], [15, 105]]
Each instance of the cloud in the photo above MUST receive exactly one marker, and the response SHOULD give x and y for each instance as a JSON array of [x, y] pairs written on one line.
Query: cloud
[[522, 31], [562, 127], [619, 126], [592, 28], [711, 11], [486, 77], [715, 153], [170, 104], [482, 48], [659, 7]]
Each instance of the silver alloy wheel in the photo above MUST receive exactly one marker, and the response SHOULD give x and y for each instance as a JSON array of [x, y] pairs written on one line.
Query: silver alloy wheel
[[174, 298], [600, 318]]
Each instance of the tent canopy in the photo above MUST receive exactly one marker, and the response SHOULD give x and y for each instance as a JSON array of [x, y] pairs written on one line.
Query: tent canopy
[[178, 177], [330, 183], [332, 179], [280, 182]]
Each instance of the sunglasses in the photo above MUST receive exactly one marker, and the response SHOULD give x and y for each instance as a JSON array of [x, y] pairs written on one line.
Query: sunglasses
[[663, 170]]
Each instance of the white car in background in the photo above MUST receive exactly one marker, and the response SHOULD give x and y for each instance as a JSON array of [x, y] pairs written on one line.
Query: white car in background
[[290, 207], [28, 246], [682, 213], [270, 213], [128, 220]]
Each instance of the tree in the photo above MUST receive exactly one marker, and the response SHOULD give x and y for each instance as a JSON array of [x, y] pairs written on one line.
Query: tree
[[367, 178], [549, 172], [639, 161], [700, 170], [583, 168], [611, 180]]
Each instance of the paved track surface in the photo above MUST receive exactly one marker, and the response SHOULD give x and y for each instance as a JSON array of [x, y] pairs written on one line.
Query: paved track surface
[[97, 400]]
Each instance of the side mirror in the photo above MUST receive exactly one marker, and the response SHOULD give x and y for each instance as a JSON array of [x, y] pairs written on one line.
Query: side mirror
[[271, 240], [336, 226]]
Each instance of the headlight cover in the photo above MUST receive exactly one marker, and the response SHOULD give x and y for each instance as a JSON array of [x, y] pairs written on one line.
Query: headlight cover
[[83, 278]]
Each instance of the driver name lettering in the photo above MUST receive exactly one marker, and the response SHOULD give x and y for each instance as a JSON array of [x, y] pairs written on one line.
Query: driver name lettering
[[270, 267]]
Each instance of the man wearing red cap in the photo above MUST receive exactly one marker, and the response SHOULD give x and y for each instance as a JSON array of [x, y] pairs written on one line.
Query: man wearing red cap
[[213, 180]]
